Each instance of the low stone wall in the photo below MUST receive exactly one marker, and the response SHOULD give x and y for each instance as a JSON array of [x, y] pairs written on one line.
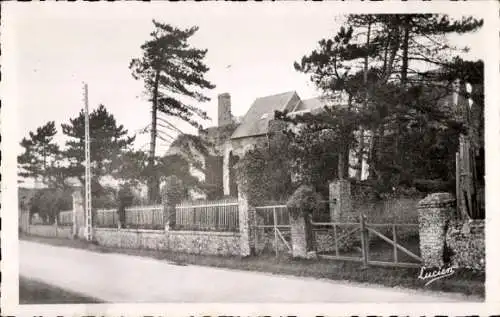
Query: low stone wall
[[197, 242], [131, 238], [202, 242], [465, 240], [64, 232], [51, 231], [43, 230]]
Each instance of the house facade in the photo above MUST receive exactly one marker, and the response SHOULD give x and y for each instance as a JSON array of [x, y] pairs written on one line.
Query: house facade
[[231, 138]]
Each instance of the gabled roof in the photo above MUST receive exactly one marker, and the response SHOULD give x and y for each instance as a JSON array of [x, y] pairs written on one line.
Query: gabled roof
[[310, 104], [256, 120]]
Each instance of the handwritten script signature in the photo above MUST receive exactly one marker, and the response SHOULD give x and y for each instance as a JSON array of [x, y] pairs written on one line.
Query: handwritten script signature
[[432, 275]]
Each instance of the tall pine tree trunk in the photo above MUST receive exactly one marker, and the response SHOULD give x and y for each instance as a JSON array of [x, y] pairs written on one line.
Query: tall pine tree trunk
[[359, 171], [398, 152], [152, 179], [343, 156], [406, 39]]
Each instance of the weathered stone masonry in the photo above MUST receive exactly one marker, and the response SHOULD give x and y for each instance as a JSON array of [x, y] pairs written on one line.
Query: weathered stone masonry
[[194, 242], [466, 241], [434, 213], [440, 232]]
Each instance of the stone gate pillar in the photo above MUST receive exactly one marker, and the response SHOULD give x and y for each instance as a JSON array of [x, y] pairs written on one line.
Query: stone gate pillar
[[434, 213], [299, 236], [78, 215], [340, 198], [244, 216]]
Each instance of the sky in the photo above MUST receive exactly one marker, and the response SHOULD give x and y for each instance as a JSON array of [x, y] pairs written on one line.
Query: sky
[[251, 51]]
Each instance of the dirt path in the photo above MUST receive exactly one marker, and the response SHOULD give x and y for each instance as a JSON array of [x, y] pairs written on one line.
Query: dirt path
[[123, 278]]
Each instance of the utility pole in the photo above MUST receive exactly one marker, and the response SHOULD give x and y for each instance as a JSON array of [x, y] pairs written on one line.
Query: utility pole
[[88, 192]]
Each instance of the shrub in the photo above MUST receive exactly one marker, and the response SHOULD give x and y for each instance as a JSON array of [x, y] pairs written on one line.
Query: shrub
[[304, 200], [264, 176], [47, 203]]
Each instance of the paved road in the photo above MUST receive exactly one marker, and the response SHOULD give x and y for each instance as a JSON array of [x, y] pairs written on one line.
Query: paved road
[[123, 278]]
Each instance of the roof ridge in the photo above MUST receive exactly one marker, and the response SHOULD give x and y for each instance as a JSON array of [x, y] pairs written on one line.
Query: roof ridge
[[275, 95]]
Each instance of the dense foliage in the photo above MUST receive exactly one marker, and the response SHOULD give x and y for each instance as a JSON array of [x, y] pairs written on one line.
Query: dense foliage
[[304, 201], [371, 61], [264, 173], [47, 203], [109, 141]]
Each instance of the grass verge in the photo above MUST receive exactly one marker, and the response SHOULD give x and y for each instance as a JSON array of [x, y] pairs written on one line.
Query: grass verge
[[36, 292], [463, 281]]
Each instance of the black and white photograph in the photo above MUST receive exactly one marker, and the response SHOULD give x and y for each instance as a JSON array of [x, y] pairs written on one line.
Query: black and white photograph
[[248, 153]]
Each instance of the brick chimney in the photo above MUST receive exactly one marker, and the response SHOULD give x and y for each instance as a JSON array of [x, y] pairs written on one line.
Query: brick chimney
[[224, 110]]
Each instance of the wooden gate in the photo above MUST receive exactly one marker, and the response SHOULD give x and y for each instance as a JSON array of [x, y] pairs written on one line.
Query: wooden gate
[[271, 226], [357, 237]]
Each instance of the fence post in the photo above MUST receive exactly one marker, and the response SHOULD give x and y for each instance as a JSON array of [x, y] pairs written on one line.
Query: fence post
[[364, 249], [56, 225], [395, 238], [275, 218]]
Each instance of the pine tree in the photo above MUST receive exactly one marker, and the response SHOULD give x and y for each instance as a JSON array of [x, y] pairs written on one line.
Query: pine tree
[[108, 141], [171, 70], [393, 96], [41, 157]]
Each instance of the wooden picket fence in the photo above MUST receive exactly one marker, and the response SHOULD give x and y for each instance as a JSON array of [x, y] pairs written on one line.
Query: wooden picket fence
[[65, 218], [219, 215], [106, 218], [138, 217]]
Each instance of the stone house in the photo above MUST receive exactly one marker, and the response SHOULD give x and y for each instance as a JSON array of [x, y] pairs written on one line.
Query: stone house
[[231, 138]]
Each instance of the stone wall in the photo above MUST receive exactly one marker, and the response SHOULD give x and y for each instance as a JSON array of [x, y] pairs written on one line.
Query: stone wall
[[51, 231], [447, 240], [43, 230], [65, 232], [196, 242], [466, 240], [131, 238], [199, 242]]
